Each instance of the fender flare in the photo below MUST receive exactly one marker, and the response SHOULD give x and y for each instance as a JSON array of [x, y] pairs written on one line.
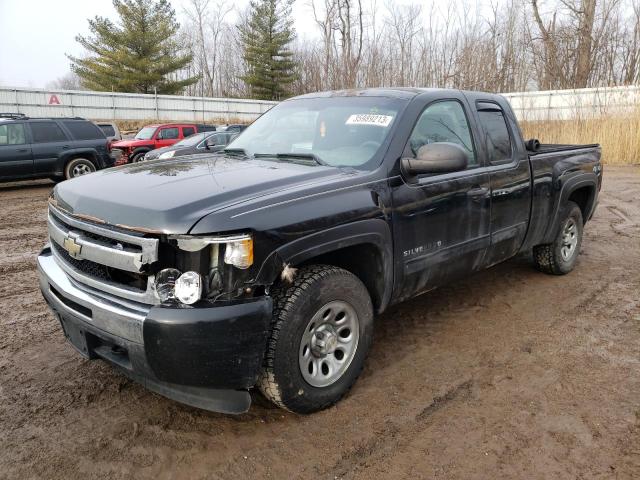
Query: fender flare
[[567, 188], [372, 231], [88, 153]]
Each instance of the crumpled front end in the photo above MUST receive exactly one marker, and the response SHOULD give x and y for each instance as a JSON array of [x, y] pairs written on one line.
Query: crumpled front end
[[100, 282]]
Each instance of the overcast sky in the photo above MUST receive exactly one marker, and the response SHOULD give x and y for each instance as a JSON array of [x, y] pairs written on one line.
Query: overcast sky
[[36, 34]]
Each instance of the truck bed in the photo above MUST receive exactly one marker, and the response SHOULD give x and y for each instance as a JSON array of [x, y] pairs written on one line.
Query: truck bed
[[560, 147]]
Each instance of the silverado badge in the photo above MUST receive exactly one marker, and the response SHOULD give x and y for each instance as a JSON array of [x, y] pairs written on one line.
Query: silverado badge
[[71, 246]]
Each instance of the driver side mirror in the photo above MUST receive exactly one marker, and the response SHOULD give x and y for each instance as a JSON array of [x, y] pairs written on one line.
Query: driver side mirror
[[440, 157], [210, 142]]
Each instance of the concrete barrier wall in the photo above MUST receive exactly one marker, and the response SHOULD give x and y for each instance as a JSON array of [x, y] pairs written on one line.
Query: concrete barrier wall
[[571, 104], [125, 106]]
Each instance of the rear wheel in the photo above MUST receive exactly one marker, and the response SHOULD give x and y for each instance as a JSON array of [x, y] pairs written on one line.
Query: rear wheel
[[78, 167], [559, 257], [322, 329]]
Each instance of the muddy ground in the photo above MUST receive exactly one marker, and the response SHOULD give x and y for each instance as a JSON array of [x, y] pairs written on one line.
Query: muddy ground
[[508, 374]]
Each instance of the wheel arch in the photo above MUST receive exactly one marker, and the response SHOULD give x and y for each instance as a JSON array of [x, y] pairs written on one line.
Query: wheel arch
[[363, 248], [580, 189]]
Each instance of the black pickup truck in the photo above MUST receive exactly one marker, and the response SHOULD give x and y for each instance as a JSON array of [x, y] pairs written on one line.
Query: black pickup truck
[[263, 265]]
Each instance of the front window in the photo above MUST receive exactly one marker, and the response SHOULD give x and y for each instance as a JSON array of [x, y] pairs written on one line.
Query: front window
[[145, 134], [338, 131], [12, 134]]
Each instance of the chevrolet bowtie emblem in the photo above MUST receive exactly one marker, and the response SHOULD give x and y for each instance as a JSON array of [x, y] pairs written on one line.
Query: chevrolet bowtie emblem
[[71, 246]]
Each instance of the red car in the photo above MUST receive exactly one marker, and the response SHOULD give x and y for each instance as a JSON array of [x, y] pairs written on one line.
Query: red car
[[156, 136]]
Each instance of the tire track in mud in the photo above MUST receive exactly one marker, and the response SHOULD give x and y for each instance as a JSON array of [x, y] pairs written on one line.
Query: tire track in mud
[[391, 438]]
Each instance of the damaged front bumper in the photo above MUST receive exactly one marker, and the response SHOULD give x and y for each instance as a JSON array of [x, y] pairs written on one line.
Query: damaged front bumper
[[207, 357]]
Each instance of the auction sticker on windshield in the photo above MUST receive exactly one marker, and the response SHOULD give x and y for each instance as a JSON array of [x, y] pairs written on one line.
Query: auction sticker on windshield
[[369, 119]]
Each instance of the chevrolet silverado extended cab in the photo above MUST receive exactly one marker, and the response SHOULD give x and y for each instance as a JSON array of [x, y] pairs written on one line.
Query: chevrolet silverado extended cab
[[205, 276]]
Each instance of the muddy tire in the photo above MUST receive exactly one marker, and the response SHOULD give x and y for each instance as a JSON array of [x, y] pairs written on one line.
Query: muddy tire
[[559, 257], [321, 331], [78, 167]]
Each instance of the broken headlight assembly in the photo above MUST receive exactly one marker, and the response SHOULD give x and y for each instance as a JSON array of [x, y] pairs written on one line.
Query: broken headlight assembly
[[203, 267]]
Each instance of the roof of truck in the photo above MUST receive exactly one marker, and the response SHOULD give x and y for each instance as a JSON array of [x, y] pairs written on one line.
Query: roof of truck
[[392, 92]]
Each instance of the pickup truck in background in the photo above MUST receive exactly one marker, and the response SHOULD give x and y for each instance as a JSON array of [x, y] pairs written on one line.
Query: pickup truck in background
[[156, 136], [263, 265]]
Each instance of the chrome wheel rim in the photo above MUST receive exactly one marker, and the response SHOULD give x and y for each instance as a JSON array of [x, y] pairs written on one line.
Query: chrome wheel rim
[[329, 343], [81, 169], [569, 239]]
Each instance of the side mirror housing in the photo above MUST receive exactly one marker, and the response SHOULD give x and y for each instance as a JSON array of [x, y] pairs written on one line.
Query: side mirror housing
[[209, 142], [440, 157]]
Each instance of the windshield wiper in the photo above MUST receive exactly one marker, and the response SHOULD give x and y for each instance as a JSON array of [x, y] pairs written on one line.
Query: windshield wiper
[[293, 156], [236, 151]]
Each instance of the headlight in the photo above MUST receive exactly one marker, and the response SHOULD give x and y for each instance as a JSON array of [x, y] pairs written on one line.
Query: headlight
[[239, 253], [189, 288], [167, 155], [165, 283], [186, 287]]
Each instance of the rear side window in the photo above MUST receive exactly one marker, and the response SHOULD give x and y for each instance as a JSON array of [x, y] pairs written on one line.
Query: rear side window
[[108, 130], [47, 132], [497, 134], [83, 130], [188, 131], [12, 134]]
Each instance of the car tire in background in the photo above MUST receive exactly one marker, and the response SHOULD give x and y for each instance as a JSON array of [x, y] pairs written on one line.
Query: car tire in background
[[321, 331], [78, 167], [137, 157], [559, 257]]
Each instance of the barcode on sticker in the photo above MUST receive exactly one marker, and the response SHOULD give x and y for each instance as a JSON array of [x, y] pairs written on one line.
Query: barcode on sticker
[[369, 119]]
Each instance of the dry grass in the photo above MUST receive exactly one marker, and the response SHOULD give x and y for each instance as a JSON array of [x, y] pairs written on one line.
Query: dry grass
[[619, 136]]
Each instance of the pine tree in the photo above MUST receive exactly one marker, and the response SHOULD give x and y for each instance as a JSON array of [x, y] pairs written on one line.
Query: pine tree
[[266, 37], [138, 54]]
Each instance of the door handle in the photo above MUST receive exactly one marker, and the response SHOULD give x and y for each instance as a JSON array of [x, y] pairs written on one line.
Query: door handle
[[22, 150], [65, 147], [477, 192]]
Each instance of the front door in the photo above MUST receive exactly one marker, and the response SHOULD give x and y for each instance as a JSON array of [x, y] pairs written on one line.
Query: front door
[[441, 221], [16, 159], [167, 136]]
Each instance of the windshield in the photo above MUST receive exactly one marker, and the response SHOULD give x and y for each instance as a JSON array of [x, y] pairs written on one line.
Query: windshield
[[145, 134], [192, 140], [337, 131]]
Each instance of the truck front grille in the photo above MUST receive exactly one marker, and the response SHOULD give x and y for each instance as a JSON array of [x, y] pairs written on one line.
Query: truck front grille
[[110, 260]]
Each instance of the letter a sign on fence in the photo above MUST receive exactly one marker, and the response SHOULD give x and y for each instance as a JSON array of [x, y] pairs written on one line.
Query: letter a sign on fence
[[53, 99]]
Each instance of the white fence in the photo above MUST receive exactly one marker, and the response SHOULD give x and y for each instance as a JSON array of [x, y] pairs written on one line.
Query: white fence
[[127, 106], [571, 104], [552, 104]]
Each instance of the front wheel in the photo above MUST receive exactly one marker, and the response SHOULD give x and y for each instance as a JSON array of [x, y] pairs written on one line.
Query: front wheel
[[138, 157], [559, 257], [322, 329]]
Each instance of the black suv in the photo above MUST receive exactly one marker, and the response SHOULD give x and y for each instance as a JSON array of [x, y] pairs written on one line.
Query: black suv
[[56, 148]]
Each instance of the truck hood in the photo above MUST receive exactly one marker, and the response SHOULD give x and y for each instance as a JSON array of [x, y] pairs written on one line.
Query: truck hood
[[170, 196]]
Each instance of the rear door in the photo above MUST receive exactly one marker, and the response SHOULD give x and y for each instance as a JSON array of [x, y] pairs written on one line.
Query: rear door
[[49, 142], [508, 167], [188, 131], [441, 221], [16, 159]]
